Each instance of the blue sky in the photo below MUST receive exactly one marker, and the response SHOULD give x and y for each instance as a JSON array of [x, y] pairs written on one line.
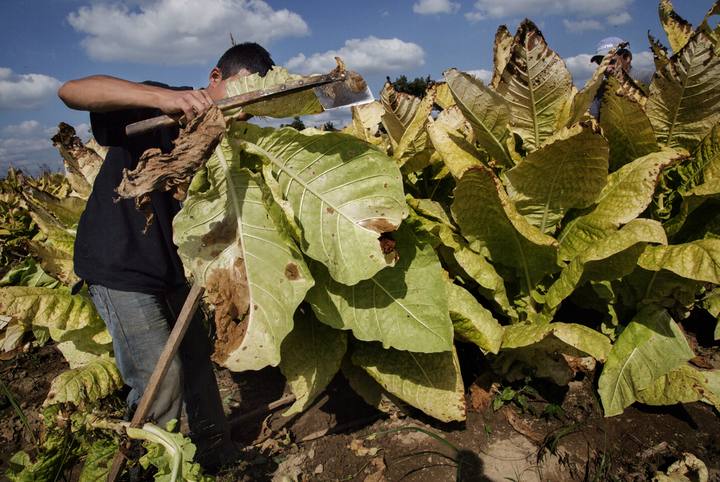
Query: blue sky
[[47, 42]]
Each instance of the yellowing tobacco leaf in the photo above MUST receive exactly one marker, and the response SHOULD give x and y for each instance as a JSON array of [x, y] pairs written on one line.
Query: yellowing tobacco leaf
[[696, 260], [450, 141], [685, 384], [502, 50], [568, 171], [299, 103], [228, 236], [404, 307], [430, 382], [609, 258], [626, 126], [497, 227], [628, 192], [685, 95], [343, 194], [400, 109], [678, 29], [650, 347], [487, 112], [472, 322], [311, 356], [85, 384], [536, 84]]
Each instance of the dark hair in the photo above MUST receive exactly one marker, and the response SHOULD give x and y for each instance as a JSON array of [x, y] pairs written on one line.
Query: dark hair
[[249, 56]]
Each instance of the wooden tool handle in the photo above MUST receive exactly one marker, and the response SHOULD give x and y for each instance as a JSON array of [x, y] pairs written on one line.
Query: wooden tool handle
[[163, 364], [148, 125], [242, 100]]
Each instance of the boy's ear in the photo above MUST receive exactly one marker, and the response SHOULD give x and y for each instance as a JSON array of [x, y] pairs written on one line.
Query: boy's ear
[[215, 76]]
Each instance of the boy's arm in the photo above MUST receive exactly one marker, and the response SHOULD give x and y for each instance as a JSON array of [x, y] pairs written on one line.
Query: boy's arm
[[102, 93]]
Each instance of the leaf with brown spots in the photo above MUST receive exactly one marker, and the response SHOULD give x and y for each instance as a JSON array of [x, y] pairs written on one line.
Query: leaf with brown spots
[[229, 237], [404, 307], [341, 192], [536, 84]]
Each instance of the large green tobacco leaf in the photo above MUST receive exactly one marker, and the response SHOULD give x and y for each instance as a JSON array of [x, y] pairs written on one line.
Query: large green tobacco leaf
[[428, 381], [446, 134], [489, 221], [311, 356], [65, 316], [472, 322], [404, 306], [463, 261], [487, 112], [568, 171], [582, 338], [228, 236], [628, 192], [697, 260], [685, 384], [626, 127], [299, 103], [536, 84], [685, 94], [607, 259], [343, 194], [705, 168], [85, 384], [678, 29], [650, 347], [477, 267]]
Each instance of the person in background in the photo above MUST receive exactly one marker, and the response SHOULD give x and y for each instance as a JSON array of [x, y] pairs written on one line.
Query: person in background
[[135, 278], [621, 60]]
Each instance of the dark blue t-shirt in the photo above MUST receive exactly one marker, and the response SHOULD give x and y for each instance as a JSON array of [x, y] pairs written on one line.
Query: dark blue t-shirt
[[111, 248]]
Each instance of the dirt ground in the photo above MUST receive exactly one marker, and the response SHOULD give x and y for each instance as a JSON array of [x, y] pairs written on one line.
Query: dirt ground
[[558, 435]]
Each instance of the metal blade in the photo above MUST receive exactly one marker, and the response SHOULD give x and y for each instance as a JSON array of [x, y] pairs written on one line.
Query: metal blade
[[343, 94]]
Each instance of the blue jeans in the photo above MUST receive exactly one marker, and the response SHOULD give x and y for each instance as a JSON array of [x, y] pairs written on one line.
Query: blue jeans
[[140, 324]]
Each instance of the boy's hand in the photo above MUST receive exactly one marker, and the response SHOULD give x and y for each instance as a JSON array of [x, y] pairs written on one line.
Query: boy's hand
[[191, 103]]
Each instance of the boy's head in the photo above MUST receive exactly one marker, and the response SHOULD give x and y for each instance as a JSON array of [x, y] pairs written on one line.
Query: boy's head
[[243, 59]]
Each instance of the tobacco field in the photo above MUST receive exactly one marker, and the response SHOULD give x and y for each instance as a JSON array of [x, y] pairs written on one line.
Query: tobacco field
[[482, 232]]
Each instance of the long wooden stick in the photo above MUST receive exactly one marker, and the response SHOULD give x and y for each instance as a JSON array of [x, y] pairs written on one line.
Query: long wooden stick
[[241, 100], [163, 364]]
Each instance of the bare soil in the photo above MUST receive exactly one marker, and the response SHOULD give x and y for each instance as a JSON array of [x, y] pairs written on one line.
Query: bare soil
[[340, 438], [27, 377]]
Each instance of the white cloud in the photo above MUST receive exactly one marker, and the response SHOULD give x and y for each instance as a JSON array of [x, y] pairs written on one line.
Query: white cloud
[[580, 67], [582, 25], [22, 129], [366, 55], [25, 91], [643, 66], [179, 31], [432, 7], [528, 8], [475, 16], [27, 146], [618, 19], [482, 74]]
